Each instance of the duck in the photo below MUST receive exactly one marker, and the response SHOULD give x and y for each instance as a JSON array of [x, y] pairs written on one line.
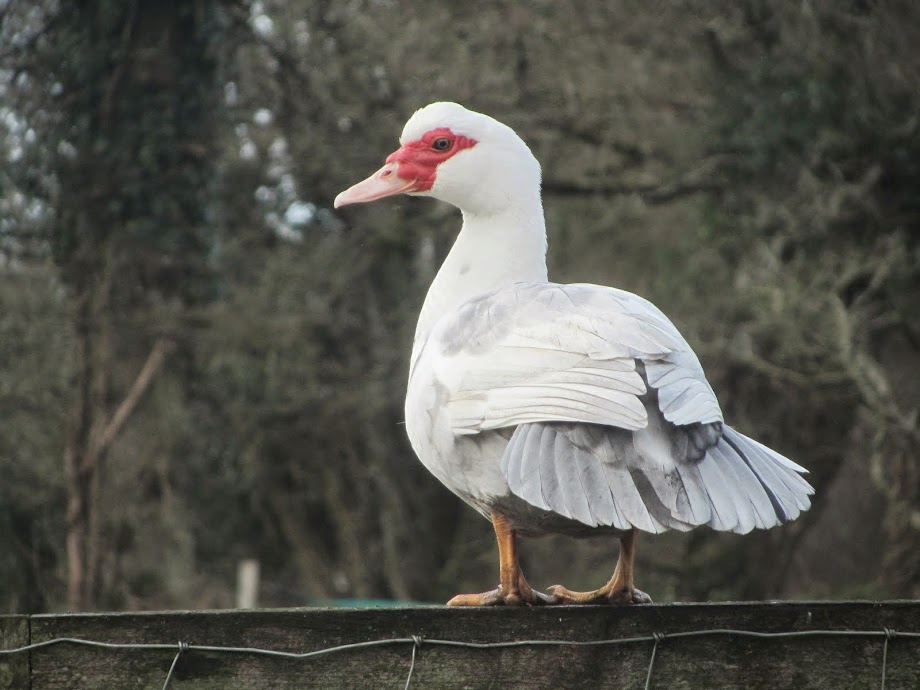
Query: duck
[[550, 408]]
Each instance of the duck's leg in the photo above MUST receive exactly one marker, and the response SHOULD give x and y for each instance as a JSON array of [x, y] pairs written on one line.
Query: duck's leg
[[620, 588], [513, 589]]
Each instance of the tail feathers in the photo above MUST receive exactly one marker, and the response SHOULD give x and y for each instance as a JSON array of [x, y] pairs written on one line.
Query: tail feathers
[[601, 476], [765, 488]]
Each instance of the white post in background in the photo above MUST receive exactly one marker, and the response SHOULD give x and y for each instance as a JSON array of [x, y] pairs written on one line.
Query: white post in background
[[247, 584]]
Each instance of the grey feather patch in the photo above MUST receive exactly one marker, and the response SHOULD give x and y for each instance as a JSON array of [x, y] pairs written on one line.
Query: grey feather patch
[[573, 495], [615, 452], [773, 476], [529, 449], [702, 437], [724, 515], [779, 512], [532, 465], [549, 483], [559, 476], [684, 394], [652, 494], [662, 477], [751, 487], [697, 497], [787, 490], [512, 459], [520, 464], [620, 457], [594, 486], [784, 467], [744, 509], [531, 490], [628, 499]]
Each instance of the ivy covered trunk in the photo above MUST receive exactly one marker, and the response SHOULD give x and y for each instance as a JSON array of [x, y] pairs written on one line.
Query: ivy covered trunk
[[137, 104]]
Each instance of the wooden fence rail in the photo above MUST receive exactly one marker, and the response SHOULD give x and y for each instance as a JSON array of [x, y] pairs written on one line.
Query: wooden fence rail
[[802, 645]]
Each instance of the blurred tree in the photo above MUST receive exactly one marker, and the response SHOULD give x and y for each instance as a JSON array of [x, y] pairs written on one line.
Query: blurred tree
[[35, 349], [750, 168], [817, 105], [123, 97]]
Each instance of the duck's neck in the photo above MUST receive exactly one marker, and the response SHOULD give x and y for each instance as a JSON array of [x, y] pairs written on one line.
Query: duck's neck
[[490, 252]]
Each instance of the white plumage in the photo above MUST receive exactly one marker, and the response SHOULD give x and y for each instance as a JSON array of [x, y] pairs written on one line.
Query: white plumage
[[547, 407]]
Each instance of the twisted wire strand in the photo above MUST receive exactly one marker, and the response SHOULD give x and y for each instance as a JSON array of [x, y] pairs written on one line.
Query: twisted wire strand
[[416, 644], [656, 638], [651, 662], [183, 647]]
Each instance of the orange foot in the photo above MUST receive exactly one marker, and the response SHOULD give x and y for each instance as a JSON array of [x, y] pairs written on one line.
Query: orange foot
[[513, 589], [619, 590], [522, 594], [617, 596]]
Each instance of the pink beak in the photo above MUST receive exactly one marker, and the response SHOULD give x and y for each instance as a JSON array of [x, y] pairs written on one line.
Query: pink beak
[[385, 182]]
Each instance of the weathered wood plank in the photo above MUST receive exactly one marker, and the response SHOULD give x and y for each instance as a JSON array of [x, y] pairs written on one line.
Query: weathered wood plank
[[718, 661], [14, 669]]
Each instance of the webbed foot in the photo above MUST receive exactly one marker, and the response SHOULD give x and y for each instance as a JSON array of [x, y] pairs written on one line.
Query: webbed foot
[[619, 596]]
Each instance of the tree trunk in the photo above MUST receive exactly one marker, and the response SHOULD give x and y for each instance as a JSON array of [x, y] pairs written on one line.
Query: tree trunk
[[81, 462], [130, 213]]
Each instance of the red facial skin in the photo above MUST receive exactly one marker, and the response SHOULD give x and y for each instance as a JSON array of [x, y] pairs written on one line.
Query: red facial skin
[[419, 160], [412, 168]]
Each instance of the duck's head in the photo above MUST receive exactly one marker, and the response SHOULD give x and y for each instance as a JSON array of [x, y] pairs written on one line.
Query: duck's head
[[456, 155]]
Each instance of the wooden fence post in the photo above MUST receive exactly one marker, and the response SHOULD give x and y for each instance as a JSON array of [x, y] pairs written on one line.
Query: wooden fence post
[[753, 646]]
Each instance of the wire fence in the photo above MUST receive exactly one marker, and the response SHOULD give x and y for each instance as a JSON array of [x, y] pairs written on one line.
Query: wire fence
[[417, 642]]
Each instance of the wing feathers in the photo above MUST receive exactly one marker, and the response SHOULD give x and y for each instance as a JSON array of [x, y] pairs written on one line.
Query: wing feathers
[[744, 509], [512, 459], [580, 347], [787, 488], [599, 476], [629, 499], [572, 489], [699, 504], [724, 513], [684, 395], [615, 423]]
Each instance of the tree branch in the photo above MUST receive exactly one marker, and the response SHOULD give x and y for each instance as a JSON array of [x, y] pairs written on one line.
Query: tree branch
[[155, 359], [703, 178]]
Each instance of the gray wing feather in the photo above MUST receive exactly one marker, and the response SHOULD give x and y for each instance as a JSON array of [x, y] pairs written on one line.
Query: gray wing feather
[[665, 498], [601, 476], [785, 501], [684, 394], [531, 486], [612, 495], [577, 487], [512, 459], [786, 488], [523, 449], [750, 487], [549, 483], [744, 509], [629, 500], [612, 449], [699, 503], [782, 466], [594, 484], [572, 492], [575, 483], [724, 514], [546, 353]]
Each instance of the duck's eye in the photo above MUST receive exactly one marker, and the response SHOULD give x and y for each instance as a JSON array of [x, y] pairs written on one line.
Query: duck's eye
[[441, 144]]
